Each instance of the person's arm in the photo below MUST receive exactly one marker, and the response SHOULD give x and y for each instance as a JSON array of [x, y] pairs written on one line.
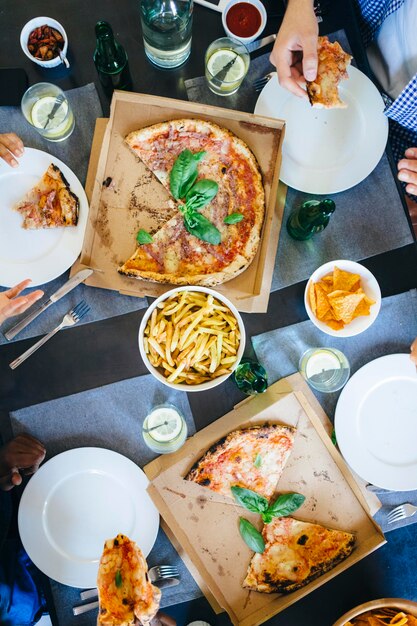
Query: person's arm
[[11, 146], [413, 354], [11, 303], [295, 50], [407, 170], [21, 456]]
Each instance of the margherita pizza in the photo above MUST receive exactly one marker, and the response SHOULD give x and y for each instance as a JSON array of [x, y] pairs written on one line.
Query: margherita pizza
[[51, 203], [175, 255], [332, 63], [252, 458], [125, 592], [295, 554]]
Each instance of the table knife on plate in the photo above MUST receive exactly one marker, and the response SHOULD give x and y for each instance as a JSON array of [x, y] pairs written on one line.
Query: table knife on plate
[[60, 293]]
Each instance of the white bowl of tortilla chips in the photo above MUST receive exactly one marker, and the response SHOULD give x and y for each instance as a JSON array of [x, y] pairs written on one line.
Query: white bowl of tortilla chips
[[191, 338], [342, 298], [365, 614]]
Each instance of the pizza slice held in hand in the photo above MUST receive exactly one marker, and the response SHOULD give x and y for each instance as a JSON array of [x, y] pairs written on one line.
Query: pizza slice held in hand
[[125, 591], [49, 204], [332, 68]]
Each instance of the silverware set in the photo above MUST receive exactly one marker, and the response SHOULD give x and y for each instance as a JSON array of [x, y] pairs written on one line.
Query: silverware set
[[161, 575], [401, 512], [260, 83]]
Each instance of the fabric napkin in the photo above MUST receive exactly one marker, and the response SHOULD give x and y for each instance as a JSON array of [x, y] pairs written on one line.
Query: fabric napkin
[[108, 417], [392, 332], [369, 218], [75, 152]]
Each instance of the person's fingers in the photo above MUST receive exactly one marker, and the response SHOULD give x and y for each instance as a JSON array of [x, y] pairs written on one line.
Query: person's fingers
[[11, 480], [309, 45], [413, 354], [408, 176], [411, 189], [411, 153], [287, 72], [14, 291], [407, 164], [12, 143], [25, 302]]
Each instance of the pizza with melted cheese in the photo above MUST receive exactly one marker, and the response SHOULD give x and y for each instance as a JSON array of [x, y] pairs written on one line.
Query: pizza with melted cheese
[[51, 203], [332, 68], [125, 591], [253, 458], [176, 256], [295, 554]]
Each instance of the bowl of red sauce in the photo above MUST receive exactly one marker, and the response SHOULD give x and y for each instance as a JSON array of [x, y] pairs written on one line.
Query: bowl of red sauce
[[244, 20]]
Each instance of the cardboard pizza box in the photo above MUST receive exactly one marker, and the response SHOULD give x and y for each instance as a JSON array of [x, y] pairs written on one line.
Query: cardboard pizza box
[[204, 525], [131, 196]]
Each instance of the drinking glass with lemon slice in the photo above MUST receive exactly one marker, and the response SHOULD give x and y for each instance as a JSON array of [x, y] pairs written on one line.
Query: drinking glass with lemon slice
[[164, 430], [47, 110], [325, 369], [227, 63]]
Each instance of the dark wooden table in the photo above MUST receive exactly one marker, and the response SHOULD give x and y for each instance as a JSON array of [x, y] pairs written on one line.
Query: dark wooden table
[[104, 352]]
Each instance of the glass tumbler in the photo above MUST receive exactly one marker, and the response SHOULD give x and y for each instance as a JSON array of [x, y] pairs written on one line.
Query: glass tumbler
[[166, 29], [325, 369], [164, 429], [48, 111], [227, 63]]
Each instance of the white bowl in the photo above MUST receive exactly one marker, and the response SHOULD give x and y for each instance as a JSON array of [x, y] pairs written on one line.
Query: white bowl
[[369, 285], [35, 23], [256, 3], [210, 383], [407, 606]]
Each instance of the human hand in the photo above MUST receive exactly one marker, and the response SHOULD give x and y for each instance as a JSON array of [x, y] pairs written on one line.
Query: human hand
[[295, 50], [407, 170], [11, 304], [21, 456], [413, 353], [11, 146]]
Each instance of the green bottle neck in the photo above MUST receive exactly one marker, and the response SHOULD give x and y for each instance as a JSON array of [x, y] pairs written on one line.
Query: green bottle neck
[[109, 56]]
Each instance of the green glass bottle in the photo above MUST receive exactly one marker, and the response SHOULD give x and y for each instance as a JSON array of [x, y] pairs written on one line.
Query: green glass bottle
[[310, 218], [111, 61], [251, 377]]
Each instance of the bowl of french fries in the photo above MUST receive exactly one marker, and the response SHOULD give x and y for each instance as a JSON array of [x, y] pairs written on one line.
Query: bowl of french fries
[[191, 338], [379, 612]]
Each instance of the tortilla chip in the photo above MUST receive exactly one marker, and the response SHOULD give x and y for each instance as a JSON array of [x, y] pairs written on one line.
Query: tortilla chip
[[363, 308], [345, 281], [312, 297], [322, 302], [335, 324], [344, 305], [327, 279]]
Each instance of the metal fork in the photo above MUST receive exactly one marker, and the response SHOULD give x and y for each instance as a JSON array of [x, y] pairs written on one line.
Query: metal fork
[[260, 83], [71, 318], [167, 573], [401, 512]]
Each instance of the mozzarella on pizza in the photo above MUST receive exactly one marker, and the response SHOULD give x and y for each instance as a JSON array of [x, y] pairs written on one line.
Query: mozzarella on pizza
[[51, 203], [332, 63], [253, 458], [125, 591], [295, 554], [176, 256]]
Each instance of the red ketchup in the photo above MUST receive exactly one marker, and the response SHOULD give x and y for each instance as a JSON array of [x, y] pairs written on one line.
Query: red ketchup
[[243, 19]]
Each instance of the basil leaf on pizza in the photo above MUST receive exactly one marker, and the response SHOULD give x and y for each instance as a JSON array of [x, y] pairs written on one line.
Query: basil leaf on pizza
[[199, 226], [251, 536], [143, 237], [258, 461], [118, 579], [233, 218], [284, 505], [249, 499], [201, 193], [184, 173]]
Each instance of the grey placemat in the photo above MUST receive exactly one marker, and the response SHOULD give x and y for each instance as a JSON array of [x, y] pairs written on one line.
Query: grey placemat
[[369, 218], [392, 332], [108, 417], [75, 152]]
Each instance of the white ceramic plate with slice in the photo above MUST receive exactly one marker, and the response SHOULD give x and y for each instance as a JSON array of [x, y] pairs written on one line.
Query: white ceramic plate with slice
[[376, 422], [76, 501], [42, 254], [328, 150]]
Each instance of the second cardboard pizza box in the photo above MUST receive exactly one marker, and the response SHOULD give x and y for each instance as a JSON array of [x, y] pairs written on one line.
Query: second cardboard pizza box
[[205, 524], [126, 197]]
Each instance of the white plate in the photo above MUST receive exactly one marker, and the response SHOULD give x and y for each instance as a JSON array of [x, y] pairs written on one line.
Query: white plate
[[328, 150], [43, 254], [74, 503], [376, 422]]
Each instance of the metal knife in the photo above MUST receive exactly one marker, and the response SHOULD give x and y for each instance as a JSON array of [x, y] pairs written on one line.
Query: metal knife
[[60, 293], [260, 43]]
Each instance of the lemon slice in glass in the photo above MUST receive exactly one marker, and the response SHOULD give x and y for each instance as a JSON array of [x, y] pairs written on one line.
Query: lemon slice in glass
[[164, 424], [42, 109], [220, 58]]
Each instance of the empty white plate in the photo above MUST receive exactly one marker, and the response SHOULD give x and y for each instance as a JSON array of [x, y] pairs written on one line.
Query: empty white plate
[[328, 150], [74, 503], [376, 422]]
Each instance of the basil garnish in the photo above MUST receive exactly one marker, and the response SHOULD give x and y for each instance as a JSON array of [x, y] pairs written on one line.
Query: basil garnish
[[201, 227], [284, 505], [333, 436], [184, 173], [118, 578], [258, 460], [143, 237], [233, 218], [251, 536], [201, 193], [250, 499]]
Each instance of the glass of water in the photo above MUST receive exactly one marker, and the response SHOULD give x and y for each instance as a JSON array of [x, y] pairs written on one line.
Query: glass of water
[[227, 63], [164, 430], [48, 111], [166, 29], [325, 369]]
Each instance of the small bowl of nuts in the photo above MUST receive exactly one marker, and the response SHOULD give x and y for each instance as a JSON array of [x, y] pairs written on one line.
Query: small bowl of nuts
[[44, 41]]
